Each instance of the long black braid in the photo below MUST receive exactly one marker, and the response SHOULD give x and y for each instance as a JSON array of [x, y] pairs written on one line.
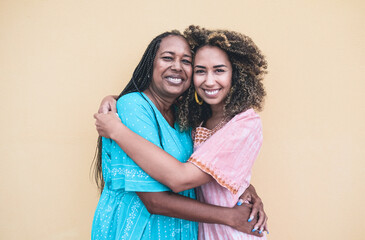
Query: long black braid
[[140, 81]]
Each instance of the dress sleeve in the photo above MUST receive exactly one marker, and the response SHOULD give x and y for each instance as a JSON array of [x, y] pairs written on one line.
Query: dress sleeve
[[138, 116], [229, 154]]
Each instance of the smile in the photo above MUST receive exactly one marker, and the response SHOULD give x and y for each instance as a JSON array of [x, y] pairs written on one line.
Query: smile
[[211, 92], [174, 80]]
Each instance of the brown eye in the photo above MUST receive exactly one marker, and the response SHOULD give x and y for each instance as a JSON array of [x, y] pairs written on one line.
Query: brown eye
[[199, 71], [186, 62]]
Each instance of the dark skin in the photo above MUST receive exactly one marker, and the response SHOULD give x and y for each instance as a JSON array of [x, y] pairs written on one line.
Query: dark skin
[[174, 205], [167, 203]]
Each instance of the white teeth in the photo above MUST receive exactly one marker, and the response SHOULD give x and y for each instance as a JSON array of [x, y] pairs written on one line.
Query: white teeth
[[211, 92], [174, 80]]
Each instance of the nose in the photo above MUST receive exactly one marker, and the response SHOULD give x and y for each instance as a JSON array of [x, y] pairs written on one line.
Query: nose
[[209, 79], [176, 65]]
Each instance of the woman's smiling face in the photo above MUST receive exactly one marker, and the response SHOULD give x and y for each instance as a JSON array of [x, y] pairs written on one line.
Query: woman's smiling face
[[212, 75], [172, 67]]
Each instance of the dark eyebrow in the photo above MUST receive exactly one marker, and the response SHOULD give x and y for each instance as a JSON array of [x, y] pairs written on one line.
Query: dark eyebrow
[[172, 53], [198, 66], [218, 66]]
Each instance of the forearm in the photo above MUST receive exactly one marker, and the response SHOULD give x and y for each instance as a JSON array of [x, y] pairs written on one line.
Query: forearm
[[175, 205], [157, 163]]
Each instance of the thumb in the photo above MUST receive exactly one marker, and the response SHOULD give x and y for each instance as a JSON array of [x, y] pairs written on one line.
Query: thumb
[[113, 107]]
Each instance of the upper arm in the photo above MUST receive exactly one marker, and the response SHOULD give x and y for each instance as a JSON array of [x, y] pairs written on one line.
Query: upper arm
[[139, 119], [191, 177], [136, 114], [229, 154]]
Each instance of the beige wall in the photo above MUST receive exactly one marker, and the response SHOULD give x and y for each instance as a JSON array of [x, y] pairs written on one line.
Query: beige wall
[[59, 58]]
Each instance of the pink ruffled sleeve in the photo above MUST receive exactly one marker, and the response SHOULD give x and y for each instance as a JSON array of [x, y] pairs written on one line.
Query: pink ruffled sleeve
[[229, 154]]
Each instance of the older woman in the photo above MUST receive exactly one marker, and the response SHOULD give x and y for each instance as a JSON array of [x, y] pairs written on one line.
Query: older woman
[[228, 72], [133, 205]]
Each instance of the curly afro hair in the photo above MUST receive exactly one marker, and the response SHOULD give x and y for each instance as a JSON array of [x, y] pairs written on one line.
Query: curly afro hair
[[248, 69]]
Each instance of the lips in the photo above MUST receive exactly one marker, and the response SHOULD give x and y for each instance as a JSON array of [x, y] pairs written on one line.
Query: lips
[[174, 79], [211, 92]]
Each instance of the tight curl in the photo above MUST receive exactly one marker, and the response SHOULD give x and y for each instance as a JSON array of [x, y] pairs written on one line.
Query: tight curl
[[248, 69]]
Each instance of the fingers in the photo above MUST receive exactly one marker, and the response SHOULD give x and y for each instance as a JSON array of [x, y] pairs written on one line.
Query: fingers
[[104, 107], [113, 107], [108, 104], [254, 212], [240, 201], [246, 197], [257, 234], [258, 211], [265, 227], [260, 221], [260, 225]]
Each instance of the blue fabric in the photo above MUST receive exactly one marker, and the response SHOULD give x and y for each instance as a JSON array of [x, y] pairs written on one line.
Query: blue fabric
[[120, 213]]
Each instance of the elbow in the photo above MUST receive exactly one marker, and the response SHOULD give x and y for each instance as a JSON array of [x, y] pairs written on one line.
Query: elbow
[[155, 203], [152, 206], [181, 181], [176, 189], [151, 210], [179, 185]]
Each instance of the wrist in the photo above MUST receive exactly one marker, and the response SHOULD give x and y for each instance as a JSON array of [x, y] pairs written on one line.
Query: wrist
[[117, 130], [228, 218]]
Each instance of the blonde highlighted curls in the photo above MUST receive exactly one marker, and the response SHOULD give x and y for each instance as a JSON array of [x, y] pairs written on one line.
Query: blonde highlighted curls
[[249, 67]]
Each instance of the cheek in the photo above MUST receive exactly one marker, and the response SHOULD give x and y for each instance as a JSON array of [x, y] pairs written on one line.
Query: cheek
[[189, 72], [188, 82], [229, 81], [197, 81]]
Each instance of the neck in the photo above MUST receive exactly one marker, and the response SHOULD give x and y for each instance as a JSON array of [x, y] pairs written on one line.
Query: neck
[[163, 105], [217, 111], [217, 118]]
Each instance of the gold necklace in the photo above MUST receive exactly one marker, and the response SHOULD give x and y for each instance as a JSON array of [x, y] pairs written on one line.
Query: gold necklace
[[219, 125]]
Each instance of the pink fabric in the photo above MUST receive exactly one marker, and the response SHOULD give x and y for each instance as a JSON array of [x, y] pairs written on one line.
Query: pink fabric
[[228, 156]]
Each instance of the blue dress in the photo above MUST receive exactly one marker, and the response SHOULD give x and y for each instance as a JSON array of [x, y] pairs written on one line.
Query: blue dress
[[120, 214]]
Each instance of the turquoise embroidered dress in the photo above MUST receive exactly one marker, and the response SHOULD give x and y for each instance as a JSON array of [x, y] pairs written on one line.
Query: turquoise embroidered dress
[[120, 214]]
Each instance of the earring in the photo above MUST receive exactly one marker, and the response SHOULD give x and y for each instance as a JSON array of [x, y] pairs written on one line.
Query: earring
[[197, 99]]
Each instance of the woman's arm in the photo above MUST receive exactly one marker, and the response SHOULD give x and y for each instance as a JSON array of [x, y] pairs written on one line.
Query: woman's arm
[[174, 205], [257, 212], [153, 160], [108, 104], [105, 127]]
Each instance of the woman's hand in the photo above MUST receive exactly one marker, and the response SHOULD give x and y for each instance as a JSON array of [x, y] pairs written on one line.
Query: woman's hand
[[257, 212], [108, 104], [107, 124], [239, 217]]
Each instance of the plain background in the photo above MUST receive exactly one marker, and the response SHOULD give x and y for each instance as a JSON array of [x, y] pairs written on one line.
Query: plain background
[[59, 58]]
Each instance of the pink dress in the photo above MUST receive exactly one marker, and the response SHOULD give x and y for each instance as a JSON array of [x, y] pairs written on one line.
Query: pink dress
[[227, 154]]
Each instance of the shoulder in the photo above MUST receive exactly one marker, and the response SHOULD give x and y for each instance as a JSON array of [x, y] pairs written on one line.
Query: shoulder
[[246, 117], [134, 98], [132, 102], [247, 122]]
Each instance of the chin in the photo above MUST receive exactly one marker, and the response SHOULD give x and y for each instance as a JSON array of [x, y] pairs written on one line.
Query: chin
[[212, 102], [176, 93]]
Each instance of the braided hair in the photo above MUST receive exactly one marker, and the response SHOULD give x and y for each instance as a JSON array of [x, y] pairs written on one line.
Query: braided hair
[[140, 81]]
